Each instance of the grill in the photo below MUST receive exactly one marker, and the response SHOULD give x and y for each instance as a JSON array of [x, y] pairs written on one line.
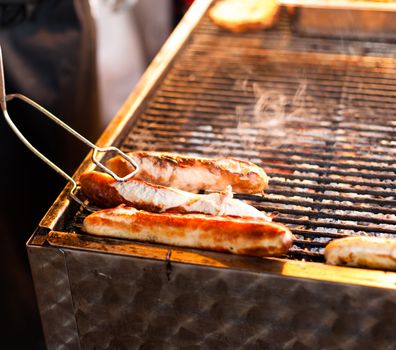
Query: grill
[[318, 115]]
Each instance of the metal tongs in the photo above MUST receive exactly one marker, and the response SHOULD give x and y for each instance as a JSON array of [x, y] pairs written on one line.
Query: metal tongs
[[3, 103]]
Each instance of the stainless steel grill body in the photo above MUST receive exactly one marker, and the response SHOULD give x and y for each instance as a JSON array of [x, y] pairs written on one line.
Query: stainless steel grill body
[[122, 301], [318, 115]]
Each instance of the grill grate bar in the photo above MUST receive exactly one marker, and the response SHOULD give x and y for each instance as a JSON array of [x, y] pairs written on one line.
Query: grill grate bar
[[307, 107], [206, 127], [319, 132], [321, 135], [310, 105], [314, 234], [346, 78], [337, 198], [305, 255], [317, 214], [288, 78], [326, 180], [317, 205], [356, 98], [340, 227], [348, 115], [309, 244], [231, 110], [188, 72], [312, 158], [301, 152], [264, 55]]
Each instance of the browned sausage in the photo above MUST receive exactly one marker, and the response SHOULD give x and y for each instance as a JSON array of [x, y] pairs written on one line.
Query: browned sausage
[[246, 236], [371, 252], [243, 15], [193, 173]]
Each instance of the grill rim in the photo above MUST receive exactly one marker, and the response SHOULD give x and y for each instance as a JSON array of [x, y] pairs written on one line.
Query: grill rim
[[286, 268]]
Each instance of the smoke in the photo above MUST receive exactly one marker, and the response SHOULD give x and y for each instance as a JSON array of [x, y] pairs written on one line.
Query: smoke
[[267, 120]]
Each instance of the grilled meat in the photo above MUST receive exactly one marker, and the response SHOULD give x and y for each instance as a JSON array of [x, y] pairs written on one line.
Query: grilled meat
[[371, 252], [243, 15], [246, 236], [106, 192], [193, 173]]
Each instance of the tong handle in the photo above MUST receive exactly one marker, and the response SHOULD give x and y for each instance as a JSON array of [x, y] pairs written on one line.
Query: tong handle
[[3, 104], [95, 148]]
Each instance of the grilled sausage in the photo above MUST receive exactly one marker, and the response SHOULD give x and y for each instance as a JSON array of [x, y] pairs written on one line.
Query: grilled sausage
[[106, 192], [246, 236], [371, 252], [193, 173], [243, 15]]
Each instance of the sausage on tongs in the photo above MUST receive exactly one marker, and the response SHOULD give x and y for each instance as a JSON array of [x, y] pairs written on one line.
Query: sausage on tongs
[[104, 191], [192, 174], [246, 236]]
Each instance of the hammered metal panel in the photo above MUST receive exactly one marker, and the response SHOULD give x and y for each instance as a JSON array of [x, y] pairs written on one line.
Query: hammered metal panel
[[132, 303], [54, 299]]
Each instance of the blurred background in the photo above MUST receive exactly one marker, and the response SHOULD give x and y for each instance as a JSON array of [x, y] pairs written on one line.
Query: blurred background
[[80, 59]]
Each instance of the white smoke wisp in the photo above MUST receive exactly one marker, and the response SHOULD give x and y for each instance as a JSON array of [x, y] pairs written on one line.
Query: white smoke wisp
[[260, 124], [267, 120], [299, 99]]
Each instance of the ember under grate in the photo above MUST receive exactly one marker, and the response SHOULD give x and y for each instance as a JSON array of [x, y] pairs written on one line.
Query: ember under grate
[[318, 114]]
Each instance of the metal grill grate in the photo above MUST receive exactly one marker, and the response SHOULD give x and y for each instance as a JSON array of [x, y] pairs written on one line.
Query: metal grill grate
[[318, 114]]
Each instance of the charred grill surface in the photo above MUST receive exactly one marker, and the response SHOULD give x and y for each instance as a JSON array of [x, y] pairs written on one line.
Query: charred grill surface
[[317, 114]]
